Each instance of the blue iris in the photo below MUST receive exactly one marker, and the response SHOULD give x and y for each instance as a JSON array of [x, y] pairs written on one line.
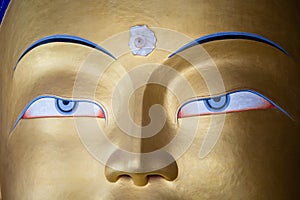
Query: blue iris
[[217, 104], [66, 106]]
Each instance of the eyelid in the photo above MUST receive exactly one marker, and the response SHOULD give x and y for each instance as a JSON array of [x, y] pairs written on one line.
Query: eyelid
[[55, 97], [269, 101]]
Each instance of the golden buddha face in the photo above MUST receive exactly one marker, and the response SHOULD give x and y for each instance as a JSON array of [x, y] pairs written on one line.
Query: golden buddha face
[[149, 100]]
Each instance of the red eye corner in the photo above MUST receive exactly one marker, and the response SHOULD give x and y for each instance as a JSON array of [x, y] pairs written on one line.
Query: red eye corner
[[25, 116], [101, 114], [180, 114]]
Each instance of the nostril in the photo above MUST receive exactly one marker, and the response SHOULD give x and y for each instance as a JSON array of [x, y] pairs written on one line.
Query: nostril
[[124, 176], [139, 179], [155, 177]]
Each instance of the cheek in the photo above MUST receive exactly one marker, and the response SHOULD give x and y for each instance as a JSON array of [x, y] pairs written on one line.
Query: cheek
[[202, 178], [254, 157], [262, 144], [46, 153]]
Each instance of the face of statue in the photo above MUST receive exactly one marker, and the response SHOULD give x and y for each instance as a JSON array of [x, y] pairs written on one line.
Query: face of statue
[[80, 121]]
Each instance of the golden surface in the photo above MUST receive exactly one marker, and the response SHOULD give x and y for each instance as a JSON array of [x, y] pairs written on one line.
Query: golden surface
[[257, 155]]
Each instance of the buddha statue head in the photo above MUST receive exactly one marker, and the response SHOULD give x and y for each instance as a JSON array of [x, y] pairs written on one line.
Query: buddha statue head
[[149, 100]]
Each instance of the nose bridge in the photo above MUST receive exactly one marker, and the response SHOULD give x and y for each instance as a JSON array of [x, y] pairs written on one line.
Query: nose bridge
[[156, 95], [152, 126], [151, 159]]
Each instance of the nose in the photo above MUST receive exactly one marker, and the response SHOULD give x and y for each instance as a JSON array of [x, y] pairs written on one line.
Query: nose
[[141, 167]]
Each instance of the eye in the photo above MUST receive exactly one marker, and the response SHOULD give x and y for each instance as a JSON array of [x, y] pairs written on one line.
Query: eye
[[44, 107], [232, 102]]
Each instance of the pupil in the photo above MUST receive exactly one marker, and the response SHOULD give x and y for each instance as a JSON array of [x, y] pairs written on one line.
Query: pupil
[[65, 106], [217, 99], [65, 102], [217, 103]]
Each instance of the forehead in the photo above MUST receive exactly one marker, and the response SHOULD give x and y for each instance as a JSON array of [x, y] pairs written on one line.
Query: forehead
[[99, 20]]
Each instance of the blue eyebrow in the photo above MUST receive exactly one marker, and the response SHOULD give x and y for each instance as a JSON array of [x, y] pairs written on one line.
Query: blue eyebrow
[[226, 36], [64, 38], [3, 8]]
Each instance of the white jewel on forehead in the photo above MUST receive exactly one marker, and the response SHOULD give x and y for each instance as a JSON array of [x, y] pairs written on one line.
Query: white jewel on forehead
[[142, 40]]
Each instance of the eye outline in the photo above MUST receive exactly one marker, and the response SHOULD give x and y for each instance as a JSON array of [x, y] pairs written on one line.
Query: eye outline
[[272, 103], [57, 97]]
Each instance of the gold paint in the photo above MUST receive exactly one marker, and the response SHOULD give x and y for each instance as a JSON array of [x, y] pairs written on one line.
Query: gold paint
[[257, 155]]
